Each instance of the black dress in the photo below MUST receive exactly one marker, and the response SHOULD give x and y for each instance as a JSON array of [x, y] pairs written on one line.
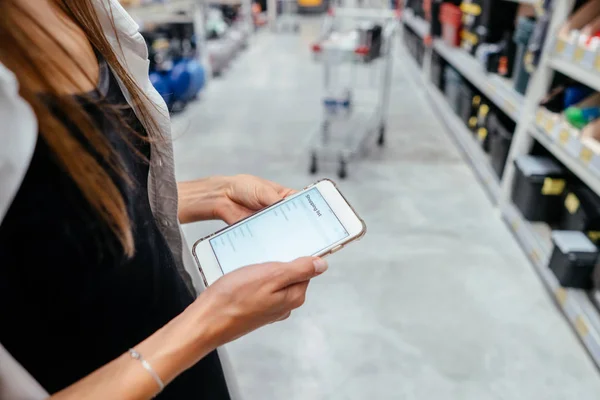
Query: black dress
[[70, 301]]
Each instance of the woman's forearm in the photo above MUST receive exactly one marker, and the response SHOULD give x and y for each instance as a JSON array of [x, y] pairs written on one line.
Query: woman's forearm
[[170, 351]]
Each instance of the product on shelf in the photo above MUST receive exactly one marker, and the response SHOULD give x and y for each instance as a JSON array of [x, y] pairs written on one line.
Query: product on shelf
[[466, 109], [573, 259], [522, 36], [437, 71], [581, 211], [452, 90], [486, 21], [578, 39], [481, 126], [501, 130], [537, 188], [451, 20]]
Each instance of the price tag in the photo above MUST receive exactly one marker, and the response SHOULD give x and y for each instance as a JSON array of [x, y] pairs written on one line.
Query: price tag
[[534, 256], [597, 63], [579, 53], [561, 296], [563, 139], [549, 126], [560, 46], [539, 118], [515, 225], [586, 155], [581, 326], [510, 107]]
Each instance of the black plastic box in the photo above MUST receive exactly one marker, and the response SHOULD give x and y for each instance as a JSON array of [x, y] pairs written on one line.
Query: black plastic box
[[501, 133], [538, 187], [437, 71], [573, 259], [581, 212]]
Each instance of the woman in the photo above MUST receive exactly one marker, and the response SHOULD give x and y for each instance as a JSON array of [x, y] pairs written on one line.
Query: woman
[[97, 285]]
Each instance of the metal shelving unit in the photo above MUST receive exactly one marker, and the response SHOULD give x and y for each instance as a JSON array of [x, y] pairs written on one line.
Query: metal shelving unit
[[496, 88], [588, 77], [532, 125], [417, 24]]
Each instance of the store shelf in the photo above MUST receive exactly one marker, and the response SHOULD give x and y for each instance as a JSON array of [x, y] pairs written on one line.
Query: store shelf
[[466, 141], [417, 24], [499, 90], [569, 150], [589, 77], [574, 303]]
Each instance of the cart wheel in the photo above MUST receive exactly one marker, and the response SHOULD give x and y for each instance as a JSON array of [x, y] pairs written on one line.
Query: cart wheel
[[343, 171], [314, 168], [381, 138]]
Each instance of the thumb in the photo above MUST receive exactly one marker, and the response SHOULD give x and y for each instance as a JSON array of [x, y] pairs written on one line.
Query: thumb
[[268, 196], [299, 270]]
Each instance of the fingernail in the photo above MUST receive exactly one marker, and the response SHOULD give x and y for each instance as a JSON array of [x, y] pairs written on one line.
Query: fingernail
[[320, 265]]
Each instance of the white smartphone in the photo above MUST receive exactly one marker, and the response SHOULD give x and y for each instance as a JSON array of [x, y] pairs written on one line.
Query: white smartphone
[[317, 221]]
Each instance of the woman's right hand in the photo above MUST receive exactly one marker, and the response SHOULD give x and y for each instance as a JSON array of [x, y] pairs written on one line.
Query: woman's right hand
[[254, 296], [236, 304]]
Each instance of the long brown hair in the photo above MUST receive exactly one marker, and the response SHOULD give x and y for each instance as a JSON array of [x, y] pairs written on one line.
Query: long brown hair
[[36, 69]]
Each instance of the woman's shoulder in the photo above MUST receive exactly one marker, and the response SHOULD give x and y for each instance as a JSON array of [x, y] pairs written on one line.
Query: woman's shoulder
[[18, 136]]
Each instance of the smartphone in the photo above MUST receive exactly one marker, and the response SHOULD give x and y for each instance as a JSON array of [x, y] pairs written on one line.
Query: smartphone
[[317, 221]]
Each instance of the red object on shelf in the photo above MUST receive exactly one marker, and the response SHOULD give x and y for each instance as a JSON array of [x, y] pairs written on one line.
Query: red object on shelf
[[362, 50], [451, 20], [316, 48]]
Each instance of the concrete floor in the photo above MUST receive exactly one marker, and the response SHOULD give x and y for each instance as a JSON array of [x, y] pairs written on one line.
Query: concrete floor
[[437, 302]]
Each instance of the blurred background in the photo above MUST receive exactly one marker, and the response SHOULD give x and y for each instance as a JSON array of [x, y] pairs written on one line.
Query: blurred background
[[465, 133]]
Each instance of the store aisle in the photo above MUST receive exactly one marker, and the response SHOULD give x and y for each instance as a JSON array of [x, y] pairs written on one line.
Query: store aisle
[[437, 302]]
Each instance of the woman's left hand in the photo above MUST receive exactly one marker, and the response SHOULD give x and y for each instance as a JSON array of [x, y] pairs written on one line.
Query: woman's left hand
[[227, 198]]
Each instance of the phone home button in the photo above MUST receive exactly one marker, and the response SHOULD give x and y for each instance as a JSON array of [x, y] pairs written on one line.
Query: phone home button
[[335, 249]]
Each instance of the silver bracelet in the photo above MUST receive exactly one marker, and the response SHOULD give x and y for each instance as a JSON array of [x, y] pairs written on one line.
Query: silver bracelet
[[137, 356]]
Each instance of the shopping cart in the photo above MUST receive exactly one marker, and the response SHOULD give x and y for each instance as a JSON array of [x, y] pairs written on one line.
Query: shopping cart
[[287, 21], [355, 48]]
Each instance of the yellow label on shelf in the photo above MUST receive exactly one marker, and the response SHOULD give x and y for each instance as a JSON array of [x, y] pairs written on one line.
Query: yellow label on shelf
[[572, 203], [471, 9], [581, 326], [472, 122], [594, 236], [539, 118], [539, 7], [515, 225], [484, 110], [534, 256], [469, 37], [586, 155], [561, 296], [564, 137], [482, 133], [476, 101], [553, 187], [549, 125], [560, 46], [597, 63], [579, 53], [510, 107]]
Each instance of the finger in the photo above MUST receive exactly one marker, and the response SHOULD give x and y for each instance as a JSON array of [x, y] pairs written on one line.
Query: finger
[[235, 213], [282, 190], [296, 295], [283, 317], [267, 195], [300, 270]]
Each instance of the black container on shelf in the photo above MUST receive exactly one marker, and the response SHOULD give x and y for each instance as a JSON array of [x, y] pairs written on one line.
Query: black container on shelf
[[537, 189], [573, 259], [523, 33], [466, 103], [452, 88], [501, 131], [437, 71], [435, 24], [581, 211], [482, 125], [488, 20]]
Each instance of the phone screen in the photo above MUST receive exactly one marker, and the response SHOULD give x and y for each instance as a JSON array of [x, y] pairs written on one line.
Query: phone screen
[[301, 226]]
